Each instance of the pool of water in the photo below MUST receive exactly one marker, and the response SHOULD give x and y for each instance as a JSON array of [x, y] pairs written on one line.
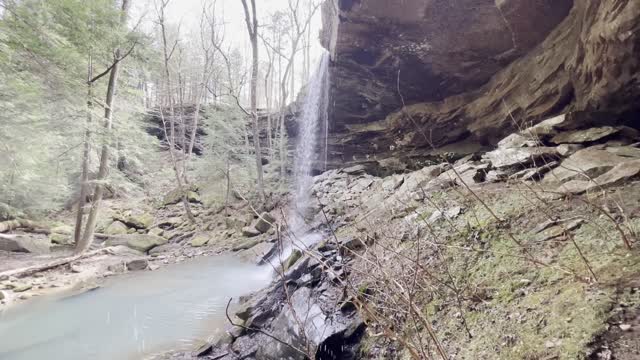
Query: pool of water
[[131, 316]]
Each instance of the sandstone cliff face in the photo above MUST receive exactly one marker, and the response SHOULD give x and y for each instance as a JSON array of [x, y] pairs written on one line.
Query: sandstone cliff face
[[473, 69]]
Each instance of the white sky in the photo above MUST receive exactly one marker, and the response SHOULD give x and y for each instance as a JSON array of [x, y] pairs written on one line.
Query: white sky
[[188, 12]]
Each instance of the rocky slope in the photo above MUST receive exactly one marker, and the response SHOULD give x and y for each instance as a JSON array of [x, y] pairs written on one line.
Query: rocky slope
[[473, 69], [527, 251]]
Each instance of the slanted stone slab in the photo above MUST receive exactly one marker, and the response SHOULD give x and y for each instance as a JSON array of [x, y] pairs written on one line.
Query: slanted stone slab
[[354, 170], [620, 174], [546, 128], [535, 173], [625, 151], [585, 164], [568, 149], [504, 158], [574, 187], [585, 136], [516, 140]]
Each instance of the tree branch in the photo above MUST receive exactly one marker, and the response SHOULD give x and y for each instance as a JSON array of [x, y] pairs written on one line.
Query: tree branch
[[115, 62]]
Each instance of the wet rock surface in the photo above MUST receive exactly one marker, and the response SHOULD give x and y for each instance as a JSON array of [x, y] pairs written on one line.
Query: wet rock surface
[[296, 317]]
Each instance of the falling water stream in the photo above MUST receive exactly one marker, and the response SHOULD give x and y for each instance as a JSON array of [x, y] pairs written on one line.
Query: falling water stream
[[176, 307], [313, 124]]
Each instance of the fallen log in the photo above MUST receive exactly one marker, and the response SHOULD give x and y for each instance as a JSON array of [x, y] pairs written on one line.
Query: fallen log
[[19, 273], [8, 237], [27, 225]]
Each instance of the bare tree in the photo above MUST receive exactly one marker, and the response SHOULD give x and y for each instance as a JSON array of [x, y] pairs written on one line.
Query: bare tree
[[252, 28], [168, 51], [113, 71], [299, 26], [84, 177], [268, 96]]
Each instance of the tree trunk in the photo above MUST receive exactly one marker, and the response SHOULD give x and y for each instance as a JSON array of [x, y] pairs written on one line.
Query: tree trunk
[[267, 98], [252, 28], [171, 137], [84, 178], [292, 91], [87, 238]]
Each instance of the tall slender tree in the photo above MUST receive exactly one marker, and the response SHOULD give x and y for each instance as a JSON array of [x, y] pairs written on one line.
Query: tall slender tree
[[251, 20], [168, 52], [103, 170]]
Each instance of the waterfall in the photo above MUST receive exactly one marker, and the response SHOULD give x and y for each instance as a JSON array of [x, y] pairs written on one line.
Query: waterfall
[[313, 122]]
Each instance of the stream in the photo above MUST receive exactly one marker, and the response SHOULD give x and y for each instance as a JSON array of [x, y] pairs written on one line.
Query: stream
[[131, 316]]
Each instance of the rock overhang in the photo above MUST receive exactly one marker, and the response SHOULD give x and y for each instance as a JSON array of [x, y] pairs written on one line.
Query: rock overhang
[[471, 69]]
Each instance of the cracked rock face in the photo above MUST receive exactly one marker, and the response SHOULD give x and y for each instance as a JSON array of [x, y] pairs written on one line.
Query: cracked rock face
[[468, 68], [438, 48]]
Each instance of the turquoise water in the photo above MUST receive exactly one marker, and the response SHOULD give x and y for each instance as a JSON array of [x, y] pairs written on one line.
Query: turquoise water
[[131, 316]]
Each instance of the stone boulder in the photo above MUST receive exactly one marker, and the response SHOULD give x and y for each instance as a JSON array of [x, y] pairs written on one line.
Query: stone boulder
[[156, 231], [62, 229], [61, 234], [139, 242], [139, 221], [236, 223], [175, 196], [250, 231], [265, 222], [14, 245], [200, 240], [246, 244], [137, 264], [116, 228], [61, 239]]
